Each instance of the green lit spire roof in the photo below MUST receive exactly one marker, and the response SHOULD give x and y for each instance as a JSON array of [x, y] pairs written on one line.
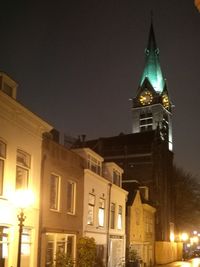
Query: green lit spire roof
[[152, 70]]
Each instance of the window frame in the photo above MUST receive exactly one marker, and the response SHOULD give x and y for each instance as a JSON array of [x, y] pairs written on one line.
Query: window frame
[[101, 212], [57, 194], [3, 147], [112, 215], [56, 239], [117, 177], [23, 166], [4, 240], [91, 207], [72, 208], [119, 218], [94, 164]]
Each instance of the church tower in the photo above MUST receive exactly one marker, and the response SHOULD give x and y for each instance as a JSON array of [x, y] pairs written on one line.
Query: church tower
[[152, 107]]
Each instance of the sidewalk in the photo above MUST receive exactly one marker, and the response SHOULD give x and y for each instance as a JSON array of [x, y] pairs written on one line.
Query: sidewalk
[[175, 264]]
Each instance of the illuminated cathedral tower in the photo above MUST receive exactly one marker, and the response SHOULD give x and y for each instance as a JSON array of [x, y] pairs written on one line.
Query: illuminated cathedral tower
[[152, 107]]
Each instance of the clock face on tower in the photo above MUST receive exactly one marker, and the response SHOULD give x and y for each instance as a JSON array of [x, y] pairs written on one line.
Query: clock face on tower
[[165, 101], [146, 98]]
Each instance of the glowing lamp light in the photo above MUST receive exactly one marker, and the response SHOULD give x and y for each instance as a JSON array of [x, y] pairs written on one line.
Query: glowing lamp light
[[23, 198], [184, 236], [194, 239], [172, 237]]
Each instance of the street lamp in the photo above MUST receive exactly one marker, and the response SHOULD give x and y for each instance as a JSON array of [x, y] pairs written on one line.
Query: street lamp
[[21, 218], [23, 199], [184, 237]]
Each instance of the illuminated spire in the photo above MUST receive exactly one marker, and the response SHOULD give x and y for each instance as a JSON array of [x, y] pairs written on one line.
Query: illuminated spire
[[152, 70]]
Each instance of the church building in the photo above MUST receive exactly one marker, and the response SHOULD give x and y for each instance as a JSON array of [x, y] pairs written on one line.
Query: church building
[[146, 154]]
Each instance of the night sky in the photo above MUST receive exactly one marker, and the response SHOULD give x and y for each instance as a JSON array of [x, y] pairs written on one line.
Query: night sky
[[77, 64]]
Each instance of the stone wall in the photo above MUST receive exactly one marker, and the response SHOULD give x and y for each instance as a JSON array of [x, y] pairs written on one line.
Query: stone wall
[[166, 252]]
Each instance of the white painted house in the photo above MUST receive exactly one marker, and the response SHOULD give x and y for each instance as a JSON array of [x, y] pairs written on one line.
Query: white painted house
[[20, 160], [104, 207]]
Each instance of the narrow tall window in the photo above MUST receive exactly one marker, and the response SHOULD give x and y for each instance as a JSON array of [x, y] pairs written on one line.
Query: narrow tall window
[[91, 204], [2, 163], [26, 247], [71, 194], [54, 192], [101, 215], [119, 220], [23, 168], [49, 250], [3, 244], [112, 216]]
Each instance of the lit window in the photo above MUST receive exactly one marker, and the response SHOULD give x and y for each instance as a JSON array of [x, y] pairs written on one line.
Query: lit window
[[101, 214], [91, 203], [54, 192], [112, 216], [59, 243], [26, 242], [2, 163], [3, 243], [93, 164], [71, 191], [23, 168], [119, 220]]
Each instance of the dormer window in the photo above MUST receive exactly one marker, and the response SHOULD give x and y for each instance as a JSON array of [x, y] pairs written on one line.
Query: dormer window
[[7, 85], [116, 177], [93, 164], [7, 89]]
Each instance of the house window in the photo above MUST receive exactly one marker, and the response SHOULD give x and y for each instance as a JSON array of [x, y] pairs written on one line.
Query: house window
[[54, 191], [26, 247], [93, 164], [116, 178], [2, 163], [91, 204], [7, 89], [23, 168], [59, 243], [101, 214], [71, 190], [119, 220], [3, 244], [26, 242], [112, 216]]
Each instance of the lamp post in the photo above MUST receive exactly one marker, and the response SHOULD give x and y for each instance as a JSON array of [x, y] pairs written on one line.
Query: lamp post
[[21, 218], [23, 199]]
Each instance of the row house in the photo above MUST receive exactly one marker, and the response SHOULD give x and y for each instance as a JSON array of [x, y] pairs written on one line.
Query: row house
[[104, 207], [21, 134], [140, 223], [61, 208]]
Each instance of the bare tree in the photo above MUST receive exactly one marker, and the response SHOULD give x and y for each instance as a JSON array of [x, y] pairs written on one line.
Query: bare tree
[[187, 200]]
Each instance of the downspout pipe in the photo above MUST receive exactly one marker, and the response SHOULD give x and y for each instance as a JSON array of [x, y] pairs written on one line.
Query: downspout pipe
[[108, 223]]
